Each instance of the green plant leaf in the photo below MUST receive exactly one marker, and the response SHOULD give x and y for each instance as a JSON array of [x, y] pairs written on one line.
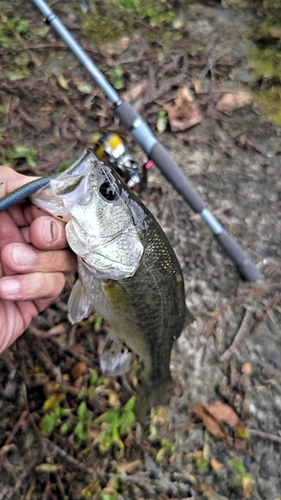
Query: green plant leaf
[[238, 466], [47, 423], [153, 433], [47, 468], [53, 401], [162, 121], [106, 443], [85, 87], [65, 427], [202, 463], [125, 422], [22, 25], [63, 82], [21, 151], [82, 411], [81, 431], [130, 405], [93, 377]]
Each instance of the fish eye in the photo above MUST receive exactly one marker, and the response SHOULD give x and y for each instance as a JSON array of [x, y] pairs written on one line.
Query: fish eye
[[108, 191]]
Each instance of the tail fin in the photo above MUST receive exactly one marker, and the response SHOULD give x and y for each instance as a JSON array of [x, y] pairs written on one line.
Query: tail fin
[[150, 395]]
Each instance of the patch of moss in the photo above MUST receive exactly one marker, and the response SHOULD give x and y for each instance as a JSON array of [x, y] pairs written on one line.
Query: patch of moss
[[102, 29], [266, 62], [266, 32], [269, 102], [270, 5], [265, 59], [109, 20]]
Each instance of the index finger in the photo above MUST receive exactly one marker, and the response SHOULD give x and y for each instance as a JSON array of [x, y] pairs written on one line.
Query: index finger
[[11, 180], [9, 231], [22, 214]]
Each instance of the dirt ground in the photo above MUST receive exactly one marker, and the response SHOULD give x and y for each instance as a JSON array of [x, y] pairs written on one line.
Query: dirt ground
[[231, 354]]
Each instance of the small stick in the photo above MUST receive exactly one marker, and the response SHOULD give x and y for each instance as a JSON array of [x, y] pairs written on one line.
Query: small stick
[[59, 483], [237, 339], [274, 302], [44, 357], [265, 435], [13, 433], [58, 453]]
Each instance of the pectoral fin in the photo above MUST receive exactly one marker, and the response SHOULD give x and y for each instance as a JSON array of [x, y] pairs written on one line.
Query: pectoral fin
[[117, 296], [79, 304]]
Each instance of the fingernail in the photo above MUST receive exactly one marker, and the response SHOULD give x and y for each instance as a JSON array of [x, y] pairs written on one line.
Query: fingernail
[[23, 255], [51, 231], [10, 286]]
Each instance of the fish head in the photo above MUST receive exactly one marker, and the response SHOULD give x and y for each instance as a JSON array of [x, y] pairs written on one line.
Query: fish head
[[103, 217]]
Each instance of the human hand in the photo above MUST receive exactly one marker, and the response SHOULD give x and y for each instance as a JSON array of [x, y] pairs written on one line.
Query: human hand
[[33, 259]]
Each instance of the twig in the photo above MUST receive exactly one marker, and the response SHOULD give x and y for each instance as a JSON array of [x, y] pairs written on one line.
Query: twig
[[44, 357], [48, 492], [274, 302], [140, 482], [237, 339], [31, 488], [59, 483], [265, 435], [58, 453], [259, 290], [155, 486], [209, 346], [76, 351], [52, 45], [12, 434], [71, 335]]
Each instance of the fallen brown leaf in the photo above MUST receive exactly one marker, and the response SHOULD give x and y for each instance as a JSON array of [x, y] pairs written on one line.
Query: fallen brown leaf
[[125, 467], [215, 464], [214, 413], [249, 141], [135, 92], [51, 386], [60, 329], [222, 412], [275, 31], [247, 486], [184, 113], [116, 47], [212, 426], [234, 100], [78, 370], [209, 493]]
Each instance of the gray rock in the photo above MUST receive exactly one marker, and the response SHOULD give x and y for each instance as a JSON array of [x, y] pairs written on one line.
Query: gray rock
[[269, 465], [267, 489]]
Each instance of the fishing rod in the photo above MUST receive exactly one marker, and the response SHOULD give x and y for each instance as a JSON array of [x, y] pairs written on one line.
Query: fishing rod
[[143, 135]]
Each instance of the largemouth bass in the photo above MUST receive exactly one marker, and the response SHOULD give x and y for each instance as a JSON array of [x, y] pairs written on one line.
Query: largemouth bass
[[128, 271]]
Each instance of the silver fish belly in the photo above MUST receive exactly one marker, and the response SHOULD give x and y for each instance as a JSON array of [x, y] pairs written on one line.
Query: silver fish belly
[[128, 271]]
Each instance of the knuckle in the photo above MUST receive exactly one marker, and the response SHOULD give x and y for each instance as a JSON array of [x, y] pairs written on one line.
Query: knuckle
[[49, 284]]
